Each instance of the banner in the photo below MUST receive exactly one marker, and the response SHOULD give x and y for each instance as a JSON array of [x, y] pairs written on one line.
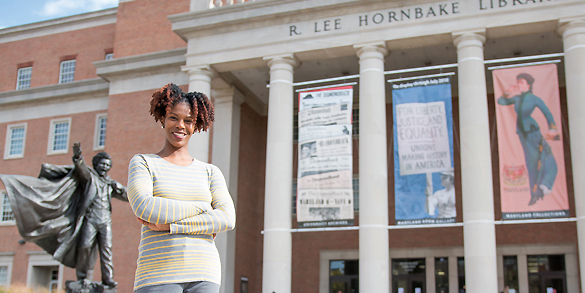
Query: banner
[[532, 163], [424, 177], [325, 170]]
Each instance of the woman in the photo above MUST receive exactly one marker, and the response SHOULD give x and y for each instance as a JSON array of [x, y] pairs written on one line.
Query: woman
[[180, 201], [540, 163]]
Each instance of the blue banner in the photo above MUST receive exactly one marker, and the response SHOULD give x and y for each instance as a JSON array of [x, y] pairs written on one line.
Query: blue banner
[[423, 152]]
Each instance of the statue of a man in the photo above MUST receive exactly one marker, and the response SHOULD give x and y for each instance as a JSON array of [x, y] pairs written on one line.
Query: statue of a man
[[67, 211]]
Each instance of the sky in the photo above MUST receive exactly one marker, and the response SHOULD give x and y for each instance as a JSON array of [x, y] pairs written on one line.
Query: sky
[[19, 12]]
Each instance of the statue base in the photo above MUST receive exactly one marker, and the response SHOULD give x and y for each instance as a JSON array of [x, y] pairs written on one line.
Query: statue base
[[86, 286]]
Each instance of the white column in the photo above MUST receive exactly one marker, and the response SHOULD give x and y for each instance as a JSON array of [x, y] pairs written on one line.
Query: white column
[[374, 252], [573, 33], [479, 236], [225, 155], [277, 256], [200, 81]]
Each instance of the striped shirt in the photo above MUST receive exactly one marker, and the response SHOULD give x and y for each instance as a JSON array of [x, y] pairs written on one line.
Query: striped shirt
[[195, 201]]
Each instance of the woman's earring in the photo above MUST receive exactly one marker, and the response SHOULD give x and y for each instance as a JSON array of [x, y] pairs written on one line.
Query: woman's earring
[[162, 126]]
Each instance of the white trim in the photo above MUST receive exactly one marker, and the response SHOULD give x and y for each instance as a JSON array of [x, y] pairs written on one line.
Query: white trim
[[524, 64], [50, 145], [421, 76], [18, 75], [61, 73], [6, 260], [42, 259], [326, 87], [3, 195], [96, 135], [8, 142]]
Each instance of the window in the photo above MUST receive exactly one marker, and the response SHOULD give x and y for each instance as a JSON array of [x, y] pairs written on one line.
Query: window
[[546, 273], [109, 56], [3, 275], [59, 136], [24, 77], [99, 141], [7, 215], [67, 72], [343, 276], [15, 139], [461, 272], [511, 273], [408, 275], [6, 260], [442, 274]]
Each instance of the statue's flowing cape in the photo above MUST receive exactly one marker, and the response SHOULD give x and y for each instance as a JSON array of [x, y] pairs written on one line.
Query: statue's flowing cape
[[49, 210]]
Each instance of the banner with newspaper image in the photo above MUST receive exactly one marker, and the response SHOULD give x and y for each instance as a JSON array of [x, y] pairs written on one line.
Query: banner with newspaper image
[[530, 141], [324, 178], [424, 179]]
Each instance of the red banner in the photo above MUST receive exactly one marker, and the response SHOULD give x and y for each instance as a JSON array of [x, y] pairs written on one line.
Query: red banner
[[532, 167]]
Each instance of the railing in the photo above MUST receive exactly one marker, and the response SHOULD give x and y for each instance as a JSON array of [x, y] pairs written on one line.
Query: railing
[[219, 3]]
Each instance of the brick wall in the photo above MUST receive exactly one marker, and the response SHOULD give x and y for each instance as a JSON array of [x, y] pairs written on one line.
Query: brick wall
[[250, 207], [46, 53], [143, 27]]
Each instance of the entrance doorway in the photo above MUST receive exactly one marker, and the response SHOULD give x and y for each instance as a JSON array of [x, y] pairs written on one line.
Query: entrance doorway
[[344, 276], [546, 274], [408, 275]]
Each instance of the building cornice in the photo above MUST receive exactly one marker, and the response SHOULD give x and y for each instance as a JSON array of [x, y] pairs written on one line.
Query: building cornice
[[55, 91], [59, 25], [240, 16], [158, 61]]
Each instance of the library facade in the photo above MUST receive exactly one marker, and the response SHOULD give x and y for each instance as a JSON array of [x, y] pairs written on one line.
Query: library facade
[[367, 144]]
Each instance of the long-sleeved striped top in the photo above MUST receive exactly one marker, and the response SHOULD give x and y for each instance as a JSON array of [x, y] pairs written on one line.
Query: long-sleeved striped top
[[195, 201]]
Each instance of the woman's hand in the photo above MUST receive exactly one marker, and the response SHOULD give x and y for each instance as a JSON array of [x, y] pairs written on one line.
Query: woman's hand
[[512, 91], [154, 227]]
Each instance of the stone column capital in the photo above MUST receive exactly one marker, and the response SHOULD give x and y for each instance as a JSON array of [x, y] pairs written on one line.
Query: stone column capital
[[283, 59], [569, 27], [227, 95], [475, 37], [365, 50], [205, 70]]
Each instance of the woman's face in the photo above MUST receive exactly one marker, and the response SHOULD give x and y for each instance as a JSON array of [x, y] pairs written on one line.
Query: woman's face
[[523, 85], [179, 125]]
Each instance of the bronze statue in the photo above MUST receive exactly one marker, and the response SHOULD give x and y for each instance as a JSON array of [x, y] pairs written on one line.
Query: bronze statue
[[67, 212]]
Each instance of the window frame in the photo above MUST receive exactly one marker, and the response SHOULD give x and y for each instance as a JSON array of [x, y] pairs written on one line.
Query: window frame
[[96, 136], [19, 80], [51, 144], [6, 260], [8, 143], [3, 196], [62, 74]]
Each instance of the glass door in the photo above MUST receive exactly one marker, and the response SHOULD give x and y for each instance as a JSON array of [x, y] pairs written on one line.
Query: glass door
[[408, 284], [553, 284]]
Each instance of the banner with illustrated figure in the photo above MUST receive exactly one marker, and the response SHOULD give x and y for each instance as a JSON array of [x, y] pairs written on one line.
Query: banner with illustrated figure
[[424, 178], [324, 178], [530, 140]]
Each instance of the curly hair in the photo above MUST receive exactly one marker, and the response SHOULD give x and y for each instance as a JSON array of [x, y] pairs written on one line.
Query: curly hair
[[205, 112], [99, 157], [169, 95]]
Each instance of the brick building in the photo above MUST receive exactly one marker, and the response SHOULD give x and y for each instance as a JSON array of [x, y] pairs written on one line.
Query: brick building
[[89, 78]]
